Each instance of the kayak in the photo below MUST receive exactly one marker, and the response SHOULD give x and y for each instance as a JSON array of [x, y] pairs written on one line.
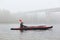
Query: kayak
[[33, 28]]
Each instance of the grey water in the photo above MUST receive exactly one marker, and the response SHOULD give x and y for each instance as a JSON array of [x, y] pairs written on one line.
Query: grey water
[[7, 34]]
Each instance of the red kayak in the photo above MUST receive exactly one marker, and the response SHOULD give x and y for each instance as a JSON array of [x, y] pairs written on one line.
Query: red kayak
[[33, 28], [23, 27]]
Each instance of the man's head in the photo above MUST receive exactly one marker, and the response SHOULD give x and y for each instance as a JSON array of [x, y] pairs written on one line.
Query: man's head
[[20, 20]]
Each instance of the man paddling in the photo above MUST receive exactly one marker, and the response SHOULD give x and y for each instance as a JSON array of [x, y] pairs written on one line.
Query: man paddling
[[21, 24]]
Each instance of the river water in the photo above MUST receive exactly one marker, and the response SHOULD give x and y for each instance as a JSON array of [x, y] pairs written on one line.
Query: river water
[[7, 34]]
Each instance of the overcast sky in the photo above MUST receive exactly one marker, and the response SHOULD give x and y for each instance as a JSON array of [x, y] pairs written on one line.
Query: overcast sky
[[28, 5]]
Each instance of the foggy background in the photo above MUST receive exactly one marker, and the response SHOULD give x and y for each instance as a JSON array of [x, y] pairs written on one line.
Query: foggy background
[[32, 17], [31, 11]]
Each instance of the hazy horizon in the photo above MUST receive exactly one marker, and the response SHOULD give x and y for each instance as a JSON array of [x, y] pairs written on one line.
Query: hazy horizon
[[30, 18], [32, 11]]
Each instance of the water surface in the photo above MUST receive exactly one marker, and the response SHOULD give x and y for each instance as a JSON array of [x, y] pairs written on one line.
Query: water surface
[[7, 34]]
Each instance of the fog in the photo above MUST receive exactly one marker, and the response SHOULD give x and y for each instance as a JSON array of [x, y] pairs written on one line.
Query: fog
[[35, 17]]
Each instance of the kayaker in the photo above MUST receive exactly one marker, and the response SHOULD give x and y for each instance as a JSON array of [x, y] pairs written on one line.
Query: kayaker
[[21, 24]]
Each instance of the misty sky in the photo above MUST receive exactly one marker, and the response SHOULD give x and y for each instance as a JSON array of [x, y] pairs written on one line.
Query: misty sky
[[28, 5]]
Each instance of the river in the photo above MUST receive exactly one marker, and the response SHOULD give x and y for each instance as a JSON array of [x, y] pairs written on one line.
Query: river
[[7, 34]]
